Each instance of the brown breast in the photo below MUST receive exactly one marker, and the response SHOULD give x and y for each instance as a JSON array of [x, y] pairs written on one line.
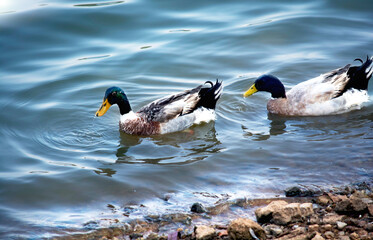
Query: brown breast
[[140, 127]]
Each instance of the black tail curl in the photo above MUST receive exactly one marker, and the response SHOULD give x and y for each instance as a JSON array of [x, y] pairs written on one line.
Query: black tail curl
[[209, 96], [359, 75]]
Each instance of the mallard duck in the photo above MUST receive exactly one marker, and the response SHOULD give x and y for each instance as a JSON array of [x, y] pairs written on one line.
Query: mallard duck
[[170, 114], [338, 91]]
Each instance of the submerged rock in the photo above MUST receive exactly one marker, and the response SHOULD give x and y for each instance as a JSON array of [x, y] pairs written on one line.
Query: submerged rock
[[198, 208], [299, 192], [240, 229]]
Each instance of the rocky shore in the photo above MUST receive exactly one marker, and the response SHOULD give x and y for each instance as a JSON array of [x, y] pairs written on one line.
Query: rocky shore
[[343, 213]]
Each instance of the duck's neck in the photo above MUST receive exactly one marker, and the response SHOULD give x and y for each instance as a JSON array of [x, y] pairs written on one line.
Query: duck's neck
[[276, 88], [124, 106], [279, 93]]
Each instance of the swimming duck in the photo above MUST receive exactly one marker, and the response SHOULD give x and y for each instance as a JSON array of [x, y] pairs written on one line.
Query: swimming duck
[[169, 114], [338, 91]]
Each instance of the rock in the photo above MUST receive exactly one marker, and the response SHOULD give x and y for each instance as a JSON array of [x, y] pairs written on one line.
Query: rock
[[293, 192], [264, 214], [369, 227], [329, 235], [331, 218], [279, 212], [240, 229], [203, 232], [370, 209], [337, 198], [354, 236], [327, 227], [198, 208], [323, 200], [318, 237], [286, 214], [357, 204], [344, 238], [292, 237], [341, 225], [313, 228], [152, 236], [219, 209], [351, 205], [343, 206], [299, 192], [273, 230], [306, 209], [314, 219]]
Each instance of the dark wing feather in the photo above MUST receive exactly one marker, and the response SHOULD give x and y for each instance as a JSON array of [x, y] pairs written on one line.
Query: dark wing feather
[[165, 109]]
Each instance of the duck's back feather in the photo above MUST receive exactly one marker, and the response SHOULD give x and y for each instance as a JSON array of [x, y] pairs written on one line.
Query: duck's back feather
[[165, 109]]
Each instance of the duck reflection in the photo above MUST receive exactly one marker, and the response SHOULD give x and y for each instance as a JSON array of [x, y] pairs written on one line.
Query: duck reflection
[[193, 144], [277, 126]]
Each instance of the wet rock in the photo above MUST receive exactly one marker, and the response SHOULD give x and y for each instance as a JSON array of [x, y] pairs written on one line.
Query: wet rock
[[318, 237], [135, 235], [203, 232], [152, 236], [173, 235], [273, 230], [178, 217], [341, 225], [198, 208], [293, 192], [219, 209], [299, 192], [240, 229]]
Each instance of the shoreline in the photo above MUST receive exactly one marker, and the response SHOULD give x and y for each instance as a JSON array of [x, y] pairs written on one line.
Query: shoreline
[[339, 213]]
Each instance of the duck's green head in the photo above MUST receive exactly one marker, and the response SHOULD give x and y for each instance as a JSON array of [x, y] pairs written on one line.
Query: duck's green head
[[267, 83], [114, 95]]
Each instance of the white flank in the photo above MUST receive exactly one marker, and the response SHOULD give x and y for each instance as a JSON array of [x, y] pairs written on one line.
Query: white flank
[[128, 116], [350, 100], [180, 123]]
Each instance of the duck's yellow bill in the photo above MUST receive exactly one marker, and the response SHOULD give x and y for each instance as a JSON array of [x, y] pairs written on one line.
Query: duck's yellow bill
[[103, 109], [251, 91]]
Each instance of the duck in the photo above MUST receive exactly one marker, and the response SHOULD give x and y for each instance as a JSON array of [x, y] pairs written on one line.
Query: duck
[[338, 91], [173, 113]]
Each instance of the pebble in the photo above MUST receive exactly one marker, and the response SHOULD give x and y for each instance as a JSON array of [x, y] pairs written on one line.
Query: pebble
[[329, 235], [344, 238], [354, 235], [341, 225], [318, 237]]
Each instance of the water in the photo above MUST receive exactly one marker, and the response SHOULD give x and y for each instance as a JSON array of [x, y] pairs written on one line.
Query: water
[[60, 167]]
